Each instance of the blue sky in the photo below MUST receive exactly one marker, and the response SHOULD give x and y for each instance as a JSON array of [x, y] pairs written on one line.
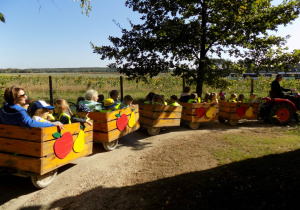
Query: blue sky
[[55, 34]]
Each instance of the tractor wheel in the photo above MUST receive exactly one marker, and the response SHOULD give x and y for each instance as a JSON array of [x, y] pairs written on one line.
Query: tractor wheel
[[281, 114]]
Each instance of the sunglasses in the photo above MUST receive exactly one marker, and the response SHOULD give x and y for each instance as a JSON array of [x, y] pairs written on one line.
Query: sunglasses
[[20, 96]]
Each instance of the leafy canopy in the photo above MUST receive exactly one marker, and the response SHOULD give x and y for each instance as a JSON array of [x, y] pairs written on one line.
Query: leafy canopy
[[184, 35]]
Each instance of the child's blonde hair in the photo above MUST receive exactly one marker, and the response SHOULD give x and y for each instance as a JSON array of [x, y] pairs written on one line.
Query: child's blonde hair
[[63, 104], [233, 95]]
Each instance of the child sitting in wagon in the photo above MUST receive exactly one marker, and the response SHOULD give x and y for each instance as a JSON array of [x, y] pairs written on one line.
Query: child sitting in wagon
[[233, 97], [114, 94], [157, 100], [252, 98], [127, 102], [150, 98], [82, 114], [40, 111], [242, 98], [174, 101], [213, 98], [206, 97], [194, 98], [62, 111], [109, 105], [163, 100]]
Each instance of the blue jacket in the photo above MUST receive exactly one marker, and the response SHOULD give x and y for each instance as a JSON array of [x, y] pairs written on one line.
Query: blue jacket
[[13, 114]]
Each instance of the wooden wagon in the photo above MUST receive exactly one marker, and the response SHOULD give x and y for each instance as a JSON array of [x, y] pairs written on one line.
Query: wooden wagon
[[109, 127], [38, 152], [153, 117], [195, 113], [233, 112]]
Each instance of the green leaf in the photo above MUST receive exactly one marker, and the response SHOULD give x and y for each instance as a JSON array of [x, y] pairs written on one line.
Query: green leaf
[[56, 135]]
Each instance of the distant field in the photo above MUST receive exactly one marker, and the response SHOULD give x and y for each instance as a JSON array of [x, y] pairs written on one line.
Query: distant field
[[71, 86], [105, 74]]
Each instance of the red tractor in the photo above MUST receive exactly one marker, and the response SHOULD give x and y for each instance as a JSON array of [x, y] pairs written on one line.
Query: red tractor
[[280, 110]]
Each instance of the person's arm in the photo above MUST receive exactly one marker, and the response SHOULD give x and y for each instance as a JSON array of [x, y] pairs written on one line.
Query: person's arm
[[76, 119], [284, 89]]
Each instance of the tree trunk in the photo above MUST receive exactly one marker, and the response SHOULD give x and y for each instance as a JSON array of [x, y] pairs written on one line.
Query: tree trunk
[[202, 63]]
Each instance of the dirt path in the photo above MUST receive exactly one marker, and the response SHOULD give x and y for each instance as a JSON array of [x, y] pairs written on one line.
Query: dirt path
[[102, 180]]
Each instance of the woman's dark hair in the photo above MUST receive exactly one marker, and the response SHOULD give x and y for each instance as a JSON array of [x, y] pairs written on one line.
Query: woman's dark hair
[[11, 94]]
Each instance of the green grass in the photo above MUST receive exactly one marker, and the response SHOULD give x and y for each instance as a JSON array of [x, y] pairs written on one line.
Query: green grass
[[238, 147]]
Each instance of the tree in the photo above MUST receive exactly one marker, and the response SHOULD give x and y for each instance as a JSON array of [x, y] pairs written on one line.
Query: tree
[[2, 19], [184, 35]]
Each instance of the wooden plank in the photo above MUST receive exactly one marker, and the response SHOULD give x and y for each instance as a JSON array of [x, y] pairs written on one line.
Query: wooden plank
[[233, 116], [111, 125], [114, 134], [192, 105], [20, 162], [233, 105], [159, 115], [190, 118], [21, 147], [106, 117], [34, 149], [159, 122], [193, 111], [52, 162], [35, 134], [18, 132], [160, 108]]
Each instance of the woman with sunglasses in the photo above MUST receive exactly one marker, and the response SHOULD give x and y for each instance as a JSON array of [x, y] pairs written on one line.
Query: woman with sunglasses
[[14, 112]]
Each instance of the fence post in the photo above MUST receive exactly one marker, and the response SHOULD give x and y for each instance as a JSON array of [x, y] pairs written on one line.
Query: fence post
[[50, 89], [121, 87], [252, 81]]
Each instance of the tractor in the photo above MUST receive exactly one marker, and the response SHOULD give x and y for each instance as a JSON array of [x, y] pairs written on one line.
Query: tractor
[[280, 111]]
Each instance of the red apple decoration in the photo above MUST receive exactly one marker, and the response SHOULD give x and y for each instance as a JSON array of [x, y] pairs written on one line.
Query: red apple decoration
[[122, 121], [63, 146], [200, 112], [240, 111]]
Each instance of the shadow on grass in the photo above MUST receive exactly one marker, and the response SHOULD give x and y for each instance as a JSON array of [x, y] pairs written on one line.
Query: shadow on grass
[[270, 182]]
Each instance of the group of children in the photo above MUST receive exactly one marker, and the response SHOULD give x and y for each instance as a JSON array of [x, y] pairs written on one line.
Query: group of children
[[186, 97], [61, 112]]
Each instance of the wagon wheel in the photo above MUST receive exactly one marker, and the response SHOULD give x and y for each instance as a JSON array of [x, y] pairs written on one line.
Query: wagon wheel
[[109, 146], [153, 131], [233, 122], [42, 181], [221, 119], [194, 125], [281, 114]]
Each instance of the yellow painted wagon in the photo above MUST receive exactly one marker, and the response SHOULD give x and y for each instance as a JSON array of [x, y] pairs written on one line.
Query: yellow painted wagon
[[109, 127], [38, 152], [195, 113], [233, 112], [153, 117]]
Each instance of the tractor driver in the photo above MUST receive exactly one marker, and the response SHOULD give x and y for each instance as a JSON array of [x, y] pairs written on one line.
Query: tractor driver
[[276, 89]]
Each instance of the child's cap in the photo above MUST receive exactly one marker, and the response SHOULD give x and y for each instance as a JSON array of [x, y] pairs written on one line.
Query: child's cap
[[82, 108], [40, 104], [109, 102]]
